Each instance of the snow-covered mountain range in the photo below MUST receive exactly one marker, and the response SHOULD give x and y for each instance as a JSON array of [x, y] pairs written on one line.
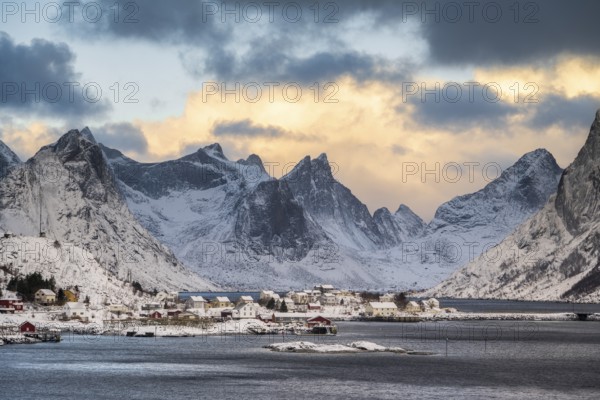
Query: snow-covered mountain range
[[233, 223], [229, 222], [554, 255], [68, 191]]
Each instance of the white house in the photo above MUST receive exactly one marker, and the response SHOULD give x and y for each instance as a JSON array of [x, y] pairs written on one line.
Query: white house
[[45, 296], [244, 311], [300, 298], [381, 309], [195, 302], [276, 298], [412, 306], [152, 306], [325, 288], [434, 304], [289, 303], [246, 299], [388, 297], [118, 308], [328, 299], [75, 310]]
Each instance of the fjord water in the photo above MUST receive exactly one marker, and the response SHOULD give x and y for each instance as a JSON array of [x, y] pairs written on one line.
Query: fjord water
[[491, 360]]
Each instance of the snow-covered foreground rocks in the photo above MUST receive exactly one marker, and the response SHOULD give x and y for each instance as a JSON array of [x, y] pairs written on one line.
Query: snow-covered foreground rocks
[[354, 347]]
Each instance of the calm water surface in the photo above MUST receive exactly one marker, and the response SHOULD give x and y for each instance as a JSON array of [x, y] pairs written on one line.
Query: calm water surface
[[496, 360]]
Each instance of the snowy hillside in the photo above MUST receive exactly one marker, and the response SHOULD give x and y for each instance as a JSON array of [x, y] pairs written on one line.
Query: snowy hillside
[[555, 254], [70, 187], [68, 264]]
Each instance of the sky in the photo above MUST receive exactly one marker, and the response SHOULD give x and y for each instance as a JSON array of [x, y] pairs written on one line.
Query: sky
[[413, 102]]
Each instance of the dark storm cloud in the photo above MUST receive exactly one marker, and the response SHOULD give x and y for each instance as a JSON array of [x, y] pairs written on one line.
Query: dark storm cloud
[[565, 112], [246, 128], [121, 136], [538, 30], [448, 110], [39, 78], [482, 32], [184, 21], [265, 64], [208, 45], [482, 110]]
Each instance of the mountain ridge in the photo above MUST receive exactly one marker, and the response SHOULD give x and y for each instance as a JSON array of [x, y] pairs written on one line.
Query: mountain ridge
[[554, 255]]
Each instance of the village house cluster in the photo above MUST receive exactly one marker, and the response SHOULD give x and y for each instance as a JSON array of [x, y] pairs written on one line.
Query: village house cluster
[[322, 301]]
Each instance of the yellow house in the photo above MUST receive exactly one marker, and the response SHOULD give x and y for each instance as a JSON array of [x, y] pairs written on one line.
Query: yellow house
[[381, 309], [70, 296], [221, 302]]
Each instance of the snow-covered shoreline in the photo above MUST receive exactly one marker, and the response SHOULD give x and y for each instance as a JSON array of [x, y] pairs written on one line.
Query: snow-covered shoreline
[[470, 316]]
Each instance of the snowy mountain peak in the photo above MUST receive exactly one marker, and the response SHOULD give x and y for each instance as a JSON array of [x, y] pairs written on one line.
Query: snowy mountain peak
[[87, 134], [539, 158], [256, 161], [74, 139], [216, 150], [404, 209], [322, 158], [399, 227], [520, 190]]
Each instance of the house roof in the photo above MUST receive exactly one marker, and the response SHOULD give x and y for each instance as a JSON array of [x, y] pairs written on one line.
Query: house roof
[[318, 318], [197, 298], [222, 299], [74, 305], [242, 305], [46, 292], [384, 304], [246, 298]]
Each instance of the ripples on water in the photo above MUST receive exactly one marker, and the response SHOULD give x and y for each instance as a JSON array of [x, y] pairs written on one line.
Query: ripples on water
[[518, 360]]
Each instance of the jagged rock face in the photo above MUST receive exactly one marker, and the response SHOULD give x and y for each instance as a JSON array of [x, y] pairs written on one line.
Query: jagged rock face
[[70, 187], [555, 255], [331, 205], [270, 221], [8, 160], [578, 195], [86, 166], [399, 227]]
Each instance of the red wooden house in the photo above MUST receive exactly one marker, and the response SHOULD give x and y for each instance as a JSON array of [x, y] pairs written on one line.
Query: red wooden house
[[27, 327], [318, 321], [156, 315], [16, 304]]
